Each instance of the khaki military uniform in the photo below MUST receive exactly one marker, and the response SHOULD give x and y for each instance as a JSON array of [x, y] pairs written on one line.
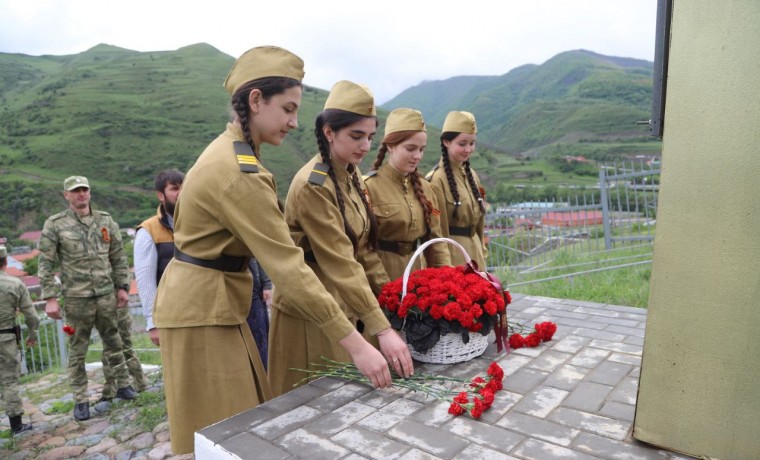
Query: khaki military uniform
[[140, 381], [93, 266], [401, 221], [470, 219], [212, 369], [316, 225], [13, 296]]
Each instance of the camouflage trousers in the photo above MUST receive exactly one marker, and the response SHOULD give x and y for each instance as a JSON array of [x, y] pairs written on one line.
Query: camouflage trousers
[[83, 313], [124, 323], [10, 371]]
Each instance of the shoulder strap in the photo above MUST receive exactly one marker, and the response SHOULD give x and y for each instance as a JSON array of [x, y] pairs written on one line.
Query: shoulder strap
[[369, 174], [245, 157], [429, 176], [319, 174]]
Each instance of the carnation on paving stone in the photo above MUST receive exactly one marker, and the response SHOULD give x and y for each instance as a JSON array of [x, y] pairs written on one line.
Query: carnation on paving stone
[[478, 394]]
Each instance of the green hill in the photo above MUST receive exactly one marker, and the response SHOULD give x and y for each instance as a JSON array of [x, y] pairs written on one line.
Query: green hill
[[120, 116]]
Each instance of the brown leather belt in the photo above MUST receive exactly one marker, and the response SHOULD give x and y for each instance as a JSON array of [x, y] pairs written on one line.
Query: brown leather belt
[[462, 231], [222, 263], [403, 248]]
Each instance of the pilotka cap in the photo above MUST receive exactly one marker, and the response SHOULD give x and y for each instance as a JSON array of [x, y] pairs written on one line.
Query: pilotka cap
[[75, 182], [351, 97], [261, 62], [460, 122], [404, 120]]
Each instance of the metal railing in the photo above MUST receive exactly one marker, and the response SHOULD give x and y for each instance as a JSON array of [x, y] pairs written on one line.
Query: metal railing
[[530, 237]]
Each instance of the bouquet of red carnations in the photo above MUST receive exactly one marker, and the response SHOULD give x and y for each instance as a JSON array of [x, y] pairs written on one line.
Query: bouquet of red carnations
[[430, 303]]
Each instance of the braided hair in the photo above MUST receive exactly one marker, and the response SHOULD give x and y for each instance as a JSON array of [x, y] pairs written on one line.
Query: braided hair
[[393, 140], [269, 86], [450, 136], [337, 120]]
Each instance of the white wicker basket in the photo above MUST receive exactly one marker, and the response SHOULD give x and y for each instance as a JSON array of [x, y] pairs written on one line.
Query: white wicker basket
[[450, 348]]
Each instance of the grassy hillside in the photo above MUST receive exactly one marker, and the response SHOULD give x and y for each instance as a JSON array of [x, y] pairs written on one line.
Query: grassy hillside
[[120, 116], [575, 95]]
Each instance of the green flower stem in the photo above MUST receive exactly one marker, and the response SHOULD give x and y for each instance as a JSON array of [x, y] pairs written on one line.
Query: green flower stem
[[429, 384]]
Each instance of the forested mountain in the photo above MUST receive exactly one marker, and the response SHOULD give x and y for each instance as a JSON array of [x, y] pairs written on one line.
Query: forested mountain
[[120, 116]]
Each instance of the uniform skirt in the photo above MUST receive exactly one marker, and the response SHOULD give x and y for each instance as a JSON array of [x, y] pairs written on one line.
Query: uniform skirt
[[210, 373], [296, 344]]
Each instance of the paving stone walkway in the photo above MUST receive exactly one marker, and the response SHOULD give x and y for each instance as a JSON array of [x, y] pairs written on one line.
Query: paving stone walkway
[[114, 433], [571, 398]]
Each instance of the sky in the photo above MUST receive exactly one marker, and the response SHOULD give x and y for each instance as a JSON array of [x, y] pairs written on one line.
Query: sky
[[388, 45]]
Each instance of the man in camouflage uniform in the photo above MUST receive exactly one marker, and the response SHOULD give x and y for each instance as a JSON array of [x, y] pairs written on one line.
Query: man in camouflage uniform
[[13, 297], [87, 243]]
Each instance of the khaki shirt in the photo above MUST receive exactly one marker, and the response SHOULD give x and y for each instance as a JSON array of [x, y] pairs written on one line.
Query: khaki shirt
[[91, 254], [400, 217], [468, 214], [316, 225], [15, 297], [223, 210]]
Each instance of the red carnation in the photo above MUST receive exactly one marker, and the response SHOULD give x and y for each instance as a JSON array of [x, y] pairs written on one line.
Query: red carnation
[[478, 382], [495, 371], [546, 330], [533, 340], [495, 385], [456, 409], [516, 341], [68, 330], [462, 398], [488, 397], [477, 408]]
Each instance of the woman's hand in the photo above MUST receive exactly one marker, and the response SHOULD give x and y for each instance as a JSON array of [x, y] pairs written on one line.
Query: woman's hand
[[367, 359], [396, 352]]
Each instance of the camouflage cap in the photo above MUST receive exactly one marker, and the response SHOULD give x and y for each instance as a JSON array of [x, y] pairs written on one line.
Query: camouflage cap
[[261, 62], [460, 122], [3, 251], [404, 120], [351, 97], [75, 182]]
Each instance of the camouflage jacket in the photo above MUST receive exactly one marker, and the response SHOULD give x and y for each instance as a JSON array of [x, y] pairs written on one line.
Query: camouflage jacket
[[13, 296], [92, 256]]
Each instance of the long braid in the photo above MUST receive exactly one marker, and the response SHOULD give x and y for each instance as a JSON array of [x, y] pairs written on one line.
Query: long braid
[[240, 106], [324, 151], [450, 178], [474, 186], [380, 157], [427, 206], [370, 215]]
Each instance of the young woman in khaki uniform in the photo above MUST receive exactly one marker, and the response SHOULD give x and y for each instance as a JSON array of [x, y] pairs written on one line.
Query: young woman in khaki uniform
[[329, 216], [458, 189], [228, 212], [404, 204]]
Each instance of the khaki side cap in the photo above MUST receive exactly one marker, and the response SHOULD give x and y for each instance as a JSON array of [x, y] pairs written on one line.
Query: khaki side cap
[[261, 62]]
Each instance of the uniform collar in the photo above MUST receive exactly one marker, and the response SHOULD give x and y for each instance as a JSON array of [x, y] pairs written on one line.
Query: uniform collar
[[393, 174]]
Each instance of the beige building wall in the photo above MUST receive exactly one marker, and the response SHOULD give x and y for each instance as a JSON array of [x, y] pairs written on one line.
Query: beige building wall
[[699, 390]]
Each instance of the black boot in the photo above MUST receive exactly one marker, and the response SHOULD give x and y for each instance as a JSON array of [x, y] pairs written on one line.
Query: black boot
[[17, 426], [82, 411], [127, 393]]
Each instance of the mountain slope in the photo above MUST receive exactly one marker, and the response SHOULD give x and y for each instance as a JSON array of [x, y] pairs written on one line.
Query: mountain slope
[[576, 92], [120, 116]]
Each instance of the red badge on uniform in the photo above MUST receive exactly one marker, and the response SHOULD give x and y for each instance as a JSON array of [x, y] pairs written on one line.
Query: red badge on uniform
[[482, 192], [435, 212], [104, 231]]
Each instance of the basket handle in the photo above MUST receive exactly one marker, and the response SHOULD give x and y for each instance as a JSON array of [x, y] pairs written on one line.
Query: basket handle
[[421, 248]]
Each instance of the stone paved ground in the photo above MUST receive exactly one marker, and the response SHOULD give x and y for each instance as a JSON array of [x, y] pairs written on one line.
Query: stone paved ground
[[117, 433], [571, 398]]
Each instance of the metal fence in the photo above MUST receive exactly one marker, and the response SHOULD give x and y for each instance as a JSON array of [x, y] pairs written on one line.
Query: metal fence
[[621, 213]]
